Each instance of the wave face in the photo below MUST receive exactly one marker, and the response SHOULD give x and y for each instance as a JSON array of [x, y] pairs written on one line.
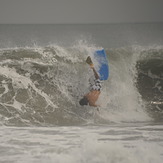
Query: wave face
[[150, 80], [42, 85]]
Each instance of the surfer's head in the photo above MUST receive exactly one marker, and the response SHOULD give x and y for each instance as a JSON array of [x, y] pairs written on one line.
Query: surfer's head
[[83, 101]]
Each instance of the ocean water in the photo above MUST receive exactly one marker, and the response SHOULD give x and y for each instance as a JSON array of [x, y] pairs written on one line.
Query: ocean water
[[43, 75]]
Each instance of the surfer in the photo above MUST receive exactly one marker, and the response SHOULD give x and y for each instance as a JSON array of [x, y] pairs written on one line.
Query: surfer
[[95, 88]]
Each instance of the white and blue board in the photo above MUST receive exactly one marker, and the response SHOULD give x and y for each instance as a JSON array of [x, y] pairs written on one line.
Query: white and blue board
[[103, 66]]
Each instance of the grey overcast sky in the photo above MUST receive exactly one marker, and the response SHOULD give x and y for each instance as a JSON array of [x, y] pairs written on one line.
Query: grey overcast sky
[[80, 11]]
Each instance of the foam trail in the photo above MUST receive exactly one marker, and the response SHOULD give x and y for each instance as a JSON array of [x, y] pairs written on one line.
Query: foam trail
[[24, 82]]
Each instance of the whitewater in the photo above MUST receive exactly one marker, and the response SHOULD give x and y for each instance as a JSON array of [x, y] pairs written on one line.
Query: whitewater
[[43, 75]]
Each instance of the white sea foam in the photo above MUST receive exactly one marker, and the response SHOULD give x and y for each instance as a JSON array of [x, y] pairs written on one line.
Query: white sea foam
[[96, 144], [20, 81]]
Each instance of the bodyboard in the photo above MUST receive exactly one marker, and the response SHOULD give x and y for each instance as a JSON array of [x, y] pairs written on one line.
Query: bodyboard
[[103, 66]]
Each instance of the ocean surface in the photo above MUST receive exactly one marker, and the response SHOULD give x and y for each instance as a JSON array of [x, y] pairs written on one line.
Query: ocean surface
[[43, 75]]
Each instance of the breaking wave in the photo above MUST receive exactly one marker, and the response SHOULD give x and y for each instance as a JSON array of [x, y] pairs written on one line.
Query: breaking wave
[[42, 85]]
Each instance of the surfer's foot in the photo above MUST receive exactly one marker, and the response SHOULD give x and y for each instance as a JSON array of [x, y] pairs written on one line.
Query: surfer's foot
[[89, 61]]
